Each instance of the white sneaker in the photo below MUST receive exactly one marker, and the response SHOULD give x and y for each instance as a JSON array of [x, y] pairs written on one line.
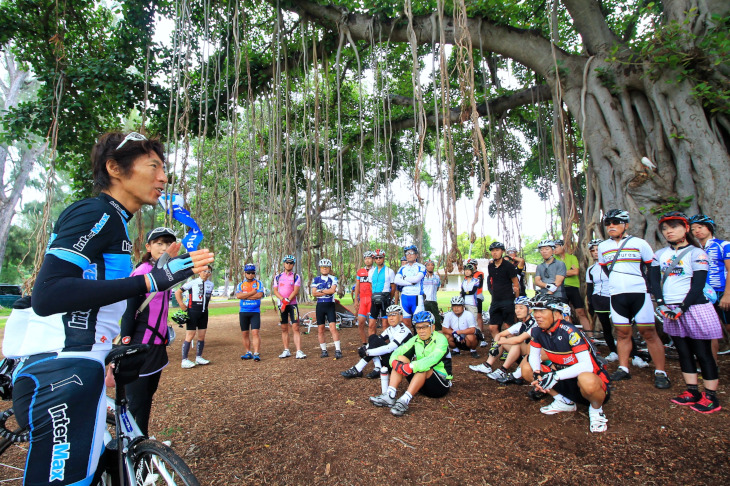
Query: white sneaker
[[499, 373], [638, 362], [300, 355], [201, 361], [481, 368], [285, 354], [483, 344], [612, 357], [599, 422], [556, 407], [187, 364]]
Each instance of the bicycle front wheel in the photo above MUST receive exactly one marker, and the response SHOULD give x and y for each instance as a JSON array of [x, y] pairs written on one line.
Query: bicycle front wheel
[[155, 463]]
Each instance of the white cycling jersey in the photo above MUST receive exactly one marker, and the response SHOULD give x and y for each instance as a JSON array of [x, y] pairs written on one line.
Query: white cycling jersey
[[599, 279], [676, 286], [410, 277], [625, 276], [459, 323], [430, 286]]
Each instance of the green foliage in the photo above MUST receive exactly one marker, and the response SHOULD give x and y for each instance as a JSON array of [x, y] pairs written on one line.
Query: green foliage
[[672, 204]]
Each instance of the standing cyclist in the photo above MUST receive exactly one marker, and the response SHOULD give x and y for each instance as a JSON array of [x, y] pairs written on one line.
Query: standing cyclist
[[363, 296], [200, 292], [479, 276], [600, 299], [625, 259], [431, 284], [504, 286], [410, 277], [381, 279], [550, 274], [572, 284], [519, 263], [78, 299], [324, 287], [250, 290], [285, 288]]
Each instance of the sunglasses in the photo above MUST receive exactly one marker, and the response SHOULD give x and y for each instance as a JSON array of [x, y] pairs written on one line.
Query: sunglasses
[[288, 263], [133, 136], [410, 253], [612, 222], [380, 258], [250, 273], [423, 328]]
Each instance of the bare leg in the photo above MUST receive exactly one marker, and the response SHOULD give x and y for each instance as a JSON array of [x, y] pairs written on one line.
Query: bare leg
[[255, 341], [285, 335]]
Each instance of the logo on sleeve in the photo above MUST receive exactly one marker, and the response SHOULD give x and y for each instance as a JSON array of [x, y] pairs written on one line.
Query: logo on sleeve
[[79, 245], [573, 339], [61, 447]]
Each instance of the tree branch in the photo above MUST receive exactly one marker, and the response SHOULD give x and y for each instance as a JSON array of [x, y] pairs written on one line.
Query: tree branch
[[591, 25]]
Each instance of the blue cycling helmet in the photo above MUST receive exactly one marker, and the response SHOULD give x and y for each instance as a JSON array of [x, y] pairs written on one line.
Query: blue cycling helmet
[[289, 259], [703, 219], [424, 316], [523, 300], [410, 248], [250, 267]]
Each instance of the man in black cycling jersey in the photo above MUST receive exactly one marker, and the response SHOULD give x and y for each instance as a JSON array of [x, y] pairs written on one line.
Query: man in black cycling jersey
[[504, 286], [625, 259], [78, 299]]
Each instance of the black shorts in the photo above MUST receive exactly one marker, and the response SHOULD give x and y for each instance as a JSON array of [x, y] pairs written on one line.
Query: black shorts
[[502, 312], [436, 386], [291, 313], [574, 297], [571, 390], [198, 320], [378, 304], [480, 303], [462, 345], [601, 303], [249, 321], [325, 312]]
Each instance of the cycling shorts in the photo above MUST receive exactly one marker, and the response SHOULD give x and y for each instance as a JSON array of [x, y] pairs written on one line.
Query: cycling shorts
[[636, 306], [380, 302], [463, 346], [601, 303], [325, 312], [436, 386], [569, 388], [410, 305], [502, 312], [364, 308], [63, 401], [574, 297], [480, 307], [198, 320], [249, 321], [291, 313]]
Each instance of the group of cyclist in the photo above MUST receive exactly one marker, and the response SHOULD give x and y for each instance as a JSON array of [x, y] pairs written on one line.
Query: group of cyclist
[[61, 343]]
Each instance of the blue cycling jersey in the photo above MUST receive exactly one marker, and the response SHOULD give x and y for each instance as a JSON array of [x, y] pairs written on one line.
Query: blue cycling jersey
[[324, 282], [718, 252]]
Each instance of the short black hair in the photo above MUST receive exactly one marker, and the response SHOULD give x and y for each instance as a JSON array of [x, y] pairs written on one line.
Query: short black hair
[[106, 149]]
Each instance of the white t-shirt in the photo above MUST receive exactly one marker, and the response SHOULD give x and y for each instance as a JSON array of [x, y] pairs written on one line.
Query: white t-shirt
[[676, 286], [626, 276], [460, 323], [431, 286], [599, 279]]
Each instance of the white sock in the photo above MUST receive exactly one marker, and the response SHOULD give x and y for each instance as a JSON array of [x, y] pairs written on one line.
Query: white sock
[[384, 379], [455, 350], [624, 368], [337, 345], [563, 399], [518, 372], [376, 362], [660, 372], [595, 411], [361, 365], [391, 392], [406, 398], [323, 346]]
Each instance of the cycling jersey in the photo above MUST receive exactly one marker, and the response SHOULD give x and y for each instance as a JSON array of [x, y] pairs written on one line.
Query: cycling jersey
[[718, 252], [366, 288], [431, 285], [392, 337], [410, 277], [469, 289], [626, 274], [250, 305], [522, 327], [430, 355], [89, 242], [597, 277], [500, 280], [479, 276], [285, 283], [676, 285], [324, 282], [459, 323], [381, 278], [200, 293]]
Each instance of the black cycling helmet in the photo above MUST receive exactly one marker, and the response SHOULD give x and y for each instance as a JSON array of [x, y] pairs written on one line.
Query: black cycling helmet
[[559, 243], [621, 215], [541, 301], [594, 243], [497, 245], [674, 216], [159, 232], [703, 219]]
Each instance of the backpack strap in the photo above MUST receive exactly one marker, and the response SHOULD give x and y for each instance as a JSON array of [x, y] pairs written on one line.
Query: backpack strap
[[618, 252], [668, 270]]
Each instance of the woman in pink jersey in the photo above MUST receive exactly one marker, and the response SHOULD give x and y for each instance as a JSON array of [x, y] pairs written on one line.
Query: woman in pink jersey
[[148, 325]]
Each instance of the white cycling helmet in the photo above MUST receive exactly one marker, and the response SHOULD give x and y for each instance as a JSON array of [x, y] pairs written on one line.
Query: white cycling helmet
[[324, 262], [457, 300], [368, 254], [594, 243], [543, 243], [394, 309]]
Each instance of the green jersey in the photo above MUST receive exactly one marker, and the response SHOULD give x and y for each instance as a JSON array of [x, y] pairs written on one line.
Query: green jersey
[[571, 261], [432, 355]]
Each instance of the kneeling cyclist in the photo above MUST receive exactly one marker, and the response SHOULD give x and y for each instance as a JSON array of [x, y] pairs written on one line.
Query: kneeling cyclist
[[379, 348], [575, 374], [424, 360]]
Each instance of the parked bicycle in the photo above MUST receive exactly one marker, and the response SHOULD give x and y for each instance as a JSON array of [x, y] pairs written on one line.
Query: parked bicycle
[[130, 457]]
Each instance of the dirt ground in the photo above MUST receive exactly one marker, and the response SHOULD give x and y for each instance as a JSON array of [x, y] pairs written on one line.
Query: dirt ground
[[287, 421]]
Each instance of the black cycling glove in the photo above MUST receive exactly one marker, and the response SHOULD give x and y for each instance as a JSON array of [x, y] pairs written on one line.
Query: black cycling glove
[[170, 271]]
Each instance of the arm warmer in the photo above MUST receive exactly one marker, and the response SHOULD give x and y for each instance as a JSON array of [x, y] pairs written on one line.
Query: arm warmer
[[696, 288], [655, 280], [380, 351], [583, 365], [130, 315], [471, 292], [60, 287], [534, 358]]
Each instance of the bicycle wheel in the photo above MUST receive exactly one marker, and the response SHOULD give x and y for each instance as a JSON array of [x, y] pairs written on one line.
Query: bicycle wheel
[[13, 448], [155, 463]]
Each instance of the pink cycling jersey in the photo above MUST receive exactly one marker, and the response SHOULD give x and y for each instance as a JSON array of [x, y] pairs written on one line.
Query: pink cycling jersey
[[285, 283]]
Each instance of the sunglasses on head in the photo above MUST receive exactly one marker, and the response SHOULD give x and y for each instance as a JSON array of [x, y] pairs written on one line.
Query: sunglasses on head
[[612, 221], [133, 136]]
